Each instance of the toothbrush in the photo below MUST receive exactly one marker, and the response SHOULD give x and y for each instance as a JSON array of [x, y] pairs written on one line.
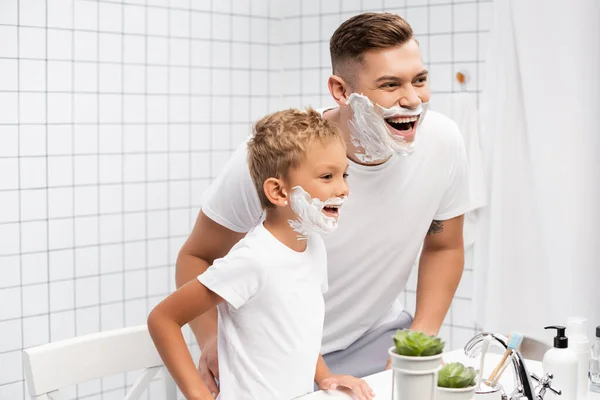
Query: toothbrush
[[506, 363], [484, 349], [513, 343]]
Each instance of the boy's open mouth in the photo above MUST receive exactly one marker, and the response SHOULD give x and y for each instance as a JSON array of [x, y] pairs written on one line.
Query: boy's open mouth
[[332, 210]]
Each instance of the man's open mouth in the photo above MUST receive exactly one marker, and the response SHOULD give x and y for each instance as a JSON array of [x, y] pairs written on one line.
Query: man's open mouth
[[403, 124]]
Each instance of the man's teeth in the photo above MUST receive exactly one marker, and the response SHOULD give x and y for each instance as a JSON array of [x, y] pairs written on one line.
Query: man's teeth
[[403, 120]]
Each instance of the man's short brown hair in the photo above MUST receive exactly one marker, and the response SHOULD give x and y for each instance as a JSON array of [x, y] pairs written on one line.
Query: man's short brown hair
[[280, 142], [364, 32]]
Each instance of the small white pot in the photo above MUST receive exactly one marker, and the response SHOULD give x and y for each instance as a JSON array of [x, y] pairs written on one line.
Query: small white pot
[[455, 394], [414, 377]]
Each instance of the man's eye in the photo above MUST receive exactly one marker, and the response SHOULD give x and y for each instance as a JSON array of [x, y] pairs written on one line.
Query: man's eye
[[389, 85]]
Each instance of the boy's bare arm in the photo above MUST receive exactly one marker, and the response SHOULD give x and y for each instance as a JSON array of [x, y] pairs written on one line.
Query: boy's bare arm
[[164, 324]]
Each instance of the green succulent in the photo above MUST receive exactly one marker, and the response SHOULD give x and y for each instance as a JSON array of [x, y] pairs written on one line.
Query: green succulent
[[456, 376], [417, 344]]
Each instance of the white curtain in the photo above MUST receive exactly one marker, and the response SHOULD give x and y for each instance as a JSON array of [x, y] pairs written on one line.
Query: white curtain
[[540, 262]]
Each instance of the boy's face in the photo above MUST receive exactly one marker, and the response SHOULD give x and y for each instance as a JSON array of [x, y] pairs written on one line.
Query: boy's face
[[322, 174], [394, 77]]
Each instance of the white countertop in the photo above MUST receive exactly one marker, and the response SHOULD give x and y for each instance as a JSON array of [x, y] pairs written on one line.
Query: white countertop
[[381, 383]]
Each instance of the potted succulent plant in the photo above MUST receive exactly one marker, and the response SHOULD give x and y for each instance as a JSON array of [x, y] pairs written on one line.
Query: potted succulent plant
[[416, 360], [456, 382]]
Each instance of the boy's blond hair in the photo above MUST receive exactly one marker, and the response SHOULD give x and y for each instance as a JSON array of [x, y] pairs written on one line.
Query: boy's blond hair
[[280, 142]]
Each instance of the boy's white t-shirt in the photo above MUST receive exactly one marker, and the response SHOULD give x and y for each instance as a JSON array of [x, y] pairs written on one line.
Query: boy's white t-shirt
[[381, 226], [270, 326]]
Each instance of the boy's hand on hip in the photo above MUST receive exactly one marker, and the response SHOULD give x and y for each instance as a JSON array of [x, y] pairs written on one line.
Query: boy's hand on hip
[[208, 366], [360, 389]]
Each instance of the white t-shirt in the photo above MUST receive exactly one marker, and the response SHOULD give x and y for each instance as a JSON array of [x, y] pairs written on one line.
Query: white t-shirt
[[270, 326], [381, 227]]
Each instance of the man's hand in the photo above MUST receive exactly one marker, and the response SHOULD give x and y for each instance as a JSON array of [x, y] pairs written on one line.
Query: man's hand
[[208, 366], [359, 387]]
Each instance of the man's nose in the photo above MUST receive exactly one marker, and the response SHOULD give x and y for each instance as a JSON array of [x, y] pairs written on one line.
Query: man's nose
[[410, 98]]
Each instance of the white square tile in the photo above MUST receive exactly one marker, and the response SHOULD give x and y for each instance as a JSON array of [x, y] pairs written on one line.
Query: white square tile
[[157, 21], [9, 179], [86, 231], [134, 79], [221, 27], [36, 234], [135, 284], [10, 73], [465, 17], [485, 16], [112, 318], [110, 139], [61, 296], [259, 31], [11, 301], [440, 19], [60, 13], [158, 279], [200, 139], [179, 52], [240, 55], [87, 292], [86, 200], [111, 229], [179, 222], [240, 83], [60, 76], [157, 193], [32, 13], [110, 108], [291, 34], [60, 108], [179, 137], [135, 226], [351, 5], [134, 107], [135, 312], [10, 141], [111, 168], [110, 198], [8, 44], [221, 55], [418, 20], [62, 325], [11, 367], [87, 321], [134, 196], [157, 224], [135, 255], [33, 204], [10, 273], [34, 268], [32, 75], [260, 56], [9, 212], [32, 108], [87, 261], [9, 12], [32, 140], [8, 104], [311, 81], [134, 166], [179, 23], [60, 44], [10, 336], [465, 47], [201, 54], [310, 7], [33, 173], [110, 17], [60, 172], [85, 77], [308, 55], [201, 23], [112, 256], [291, 56], [110, 78], [179, 195], [134, 49], [110, 49], [32, 43], [158, 253], [291, 9], [86, 15], [440, 78], [86, 46], [62, 264], [201, 165], [179, 80], [157, 109], [221, 82], [35, 299], [310, 29], [179, 166], [158, 139], [240, 28], [86, 169], [85, 108], [111, 288], [179, 109], [221, 134], [60, 233], [200, 107], [134, 19], [440, 48], [329, 23], [85, 137]]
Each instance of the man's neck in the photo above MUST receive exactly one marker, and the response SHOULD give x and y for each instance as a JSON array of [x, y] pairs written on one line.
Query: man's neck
[[336, 116], [277, 223]]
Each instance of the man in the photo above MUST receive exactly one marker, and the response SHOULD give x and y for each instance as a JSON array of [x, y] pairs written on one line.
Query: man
[[408, 188]]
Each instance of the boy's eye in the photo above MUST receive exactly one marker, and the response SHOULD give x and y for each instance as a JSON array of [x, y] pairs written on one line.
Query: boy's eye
[[326, 176], [346, 175]]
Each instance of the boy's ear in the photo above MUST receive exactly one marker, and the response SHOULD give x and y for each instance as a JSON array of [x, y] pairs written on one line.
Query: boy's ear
[[275, 192]]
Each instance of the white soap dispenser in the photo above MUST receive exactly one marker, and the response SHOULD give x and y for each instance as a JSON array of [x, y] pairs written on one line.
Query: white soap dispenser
[[562, 363], [580, 344]]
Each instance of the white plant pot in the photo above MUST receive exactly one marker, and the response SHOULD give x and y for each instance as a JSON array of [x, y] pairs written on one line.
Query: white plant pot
[[455, 394], [414, 378]]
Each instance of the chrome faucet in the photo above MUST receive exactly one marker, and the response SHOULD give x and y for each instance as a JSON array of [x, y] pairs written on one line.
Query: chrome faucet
[[524, 388]]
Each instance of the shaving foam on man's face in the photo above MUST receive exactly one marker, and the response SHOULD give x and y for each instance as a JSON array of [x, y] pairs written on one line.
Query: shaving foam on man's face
[[380, 132], [314, 215]]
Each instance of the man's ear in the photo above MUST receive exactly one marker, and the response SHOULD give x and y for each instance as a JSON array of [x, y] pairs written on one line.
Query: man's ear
[[275, 192], [339, 89]]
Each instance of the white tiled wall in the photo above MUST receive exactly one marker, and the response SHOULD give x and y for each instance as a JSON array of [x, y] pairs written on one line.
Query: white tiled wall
[[115, 116]]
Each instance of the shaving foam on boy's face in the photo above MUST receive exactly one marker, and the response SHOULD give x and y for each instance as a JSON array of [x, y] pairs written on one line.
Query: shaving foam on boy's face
[[313, 214], [379, 132]]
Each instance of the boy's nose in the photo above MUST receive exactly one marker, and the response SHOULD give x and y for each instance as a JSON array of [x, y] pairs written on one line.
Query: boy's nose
[[344, 189]]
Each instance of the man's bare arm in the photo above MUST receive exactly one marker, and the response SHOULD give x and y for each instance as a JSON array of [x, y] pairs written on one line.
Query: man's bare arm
[[207, 242], [440, 269]]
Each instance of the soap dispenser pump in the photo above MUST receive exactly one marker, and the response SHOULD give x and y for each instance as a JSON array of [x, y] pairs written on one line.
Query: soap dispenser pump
[[562, 363]]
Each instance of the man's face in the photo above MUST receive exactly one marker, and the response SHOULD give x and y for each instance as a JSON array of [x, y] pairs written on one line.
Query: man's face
[[394, 77]]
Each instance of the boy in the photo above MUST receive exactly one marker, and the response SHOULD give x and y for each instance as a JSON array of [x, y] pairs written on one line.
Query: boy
[[269, 287]]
